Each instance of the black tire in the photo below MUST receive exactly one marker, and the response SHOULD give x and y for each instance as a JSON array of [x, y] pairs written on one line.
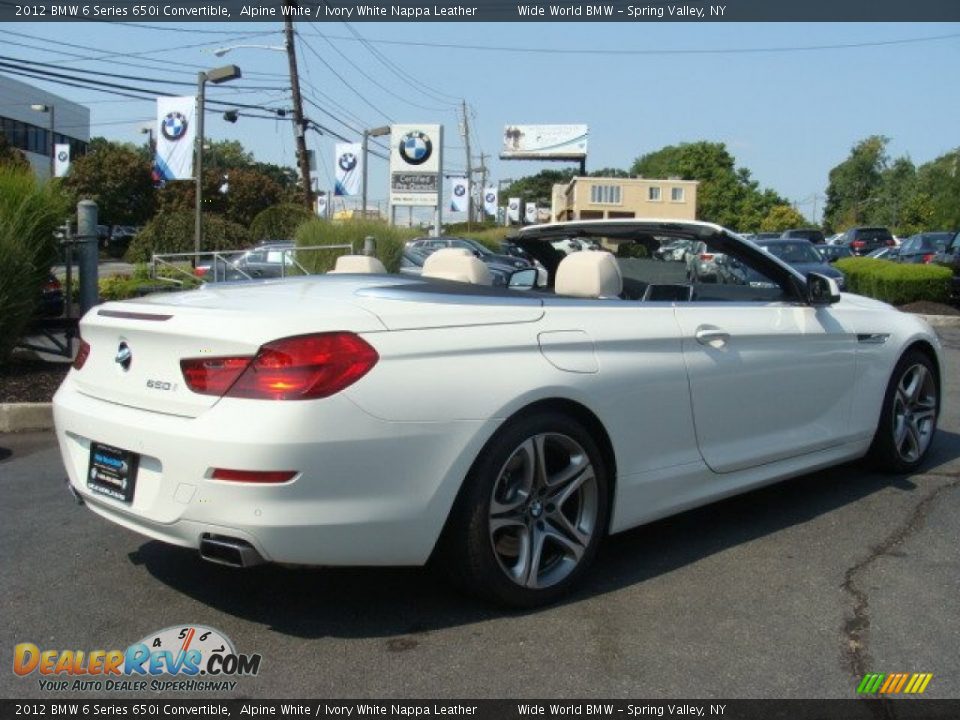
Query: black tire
[[908, 421], [488, 559]]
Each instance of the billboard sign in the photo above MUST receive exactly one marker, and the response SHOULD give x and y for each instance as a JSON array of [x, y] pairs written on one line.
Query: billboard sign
[[550, 142], [415, 164]]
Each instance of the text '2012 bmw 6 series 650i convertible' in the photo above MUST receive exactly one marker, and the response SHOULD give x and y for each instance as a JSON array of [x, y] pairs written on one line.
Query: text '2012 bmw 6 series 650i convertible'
[[360, 418]]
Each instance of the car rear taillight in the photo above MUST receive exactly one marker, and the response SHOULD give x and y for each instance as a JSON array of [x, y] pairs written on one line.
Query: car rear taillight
[[200, 271], [213, 376], [857, 244], [706, 257], [928, 258], [306, 367], [253, 476], [83, 352], [891, 242], [52, 285]]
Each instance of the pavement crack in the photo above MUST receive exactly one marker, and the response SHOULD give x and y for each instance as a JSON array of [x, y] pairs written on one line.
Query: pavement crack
[[855, 630]]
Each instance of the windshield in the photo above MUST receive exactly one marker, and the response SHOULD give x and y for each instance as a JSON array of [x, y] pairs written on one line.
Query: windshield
[[794, 253]]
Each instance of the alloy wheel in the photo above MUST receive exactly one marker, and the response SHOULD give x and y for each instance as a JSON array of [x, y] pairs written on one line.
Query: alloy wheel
[[543, 510], [914, 412]]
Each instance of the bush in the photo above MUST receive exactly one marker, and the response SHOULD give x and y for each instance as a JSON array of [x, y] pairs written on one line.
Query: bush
[[896, 283], [279, 222], [173, 233], [632, 250], [29, 214], [390, 241]]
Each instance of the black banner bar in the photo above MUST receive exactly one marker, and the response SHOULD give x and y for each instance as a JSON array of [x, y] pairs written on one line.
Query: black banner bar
[[629, 11], [860, 709]]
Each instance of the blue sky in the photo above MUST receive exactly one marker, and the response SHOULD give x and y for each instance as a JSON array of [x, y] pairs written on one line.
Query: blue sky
[[788, 116]]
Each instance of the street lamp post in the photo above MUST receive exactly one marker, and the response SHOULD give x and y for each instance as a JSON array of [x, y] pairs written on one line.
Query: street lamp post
[[367, 134], [506, 209], [39, 107], [215, 76]]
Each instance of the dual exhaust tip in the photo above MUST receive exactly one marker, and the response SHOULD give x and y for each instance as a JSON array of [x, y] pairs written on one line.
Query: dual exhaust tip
[[229, 551]]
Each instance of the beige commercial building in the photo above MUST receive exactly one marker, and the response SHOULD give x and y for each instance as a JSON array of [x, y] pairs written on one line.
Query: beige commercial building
[[596, 198]]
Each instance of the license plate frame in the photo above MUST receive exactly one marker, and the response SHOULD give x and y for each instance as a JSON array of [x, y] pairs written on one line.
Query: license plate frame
[[112, 472]]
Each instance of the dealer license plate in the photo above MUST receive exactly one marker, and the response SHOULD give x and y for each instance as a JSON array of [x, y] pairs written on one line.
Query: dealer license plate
[[113, 472]]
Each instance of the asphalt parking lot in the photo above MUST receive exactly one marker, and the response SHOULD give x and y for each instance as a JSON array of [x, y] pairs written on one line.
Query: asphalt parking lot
[[793, 591]]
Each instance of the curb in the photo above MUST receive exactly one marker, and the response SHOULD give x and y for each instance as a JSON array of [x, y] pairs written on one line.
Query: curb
[[942, 321], [22, 417]]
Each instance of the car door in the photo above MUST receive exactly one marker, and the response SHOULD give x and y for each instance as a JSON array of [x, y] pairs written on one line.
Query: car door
[[908, 250], [771, 377]]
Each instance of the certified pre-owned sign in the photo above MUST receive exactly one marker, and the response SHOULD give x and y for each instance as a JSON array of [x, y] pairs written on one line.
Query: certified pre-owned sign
[[415, 164]]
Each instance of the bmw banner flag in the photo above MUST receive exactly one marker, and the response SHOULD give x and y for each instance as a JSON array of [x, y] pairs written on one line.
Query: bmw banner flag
[[61, 159], [490, 201], [349, 170], [176, 136], [530, 216], [459, 198], [513, 210]]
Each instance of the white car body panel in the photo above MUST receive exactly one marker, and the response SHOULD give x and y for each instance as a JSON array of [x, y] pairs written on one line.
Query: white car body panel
[[793, 389]]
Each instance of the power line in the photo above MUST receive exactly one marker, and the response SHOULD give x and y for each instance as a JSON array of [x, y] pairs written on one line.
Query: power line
[[163, 81], [112, 58], [360, 95], [75, 81], [398, 71], [610, 51], [372, 80]]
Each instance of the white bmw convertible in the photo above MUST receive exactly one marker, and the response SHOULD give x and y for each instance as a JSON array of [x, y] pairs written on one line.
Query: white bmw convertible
[[360, 418]]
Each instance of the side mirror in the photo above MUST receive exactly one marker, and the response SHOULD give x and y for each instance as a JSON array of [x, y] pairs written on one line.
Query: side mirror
[[822, 290], [523, 279]]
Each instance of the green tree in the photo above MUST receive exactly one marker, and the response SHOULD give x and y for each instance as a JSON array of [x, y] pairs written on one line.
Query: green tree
[[855, 192], [727, 195], [782, 217], [117, 177], [29, 214], [12, 157], [938, 181], [537, 188], [899, 185], [610, 172], [248, 191]]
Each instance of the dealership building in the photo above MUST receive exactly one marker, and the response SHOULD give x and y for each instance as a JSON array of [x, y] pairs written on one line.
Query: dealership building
[[29, 117], [602, 198]]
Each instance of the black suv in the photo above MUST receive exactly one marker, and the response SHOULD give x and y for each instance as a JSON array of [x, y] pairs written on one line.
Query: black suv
[[950, 256], [864, 240]]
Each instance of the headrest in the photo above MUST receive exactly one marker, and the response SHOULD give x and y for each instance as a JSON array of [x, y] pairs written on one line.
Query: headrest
[[589, 273], [457, 264], [359, 264]]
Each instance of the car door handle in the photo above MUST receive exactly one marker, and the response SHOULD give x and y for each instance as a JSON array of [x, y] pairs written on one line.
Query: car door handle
[[714, 337]]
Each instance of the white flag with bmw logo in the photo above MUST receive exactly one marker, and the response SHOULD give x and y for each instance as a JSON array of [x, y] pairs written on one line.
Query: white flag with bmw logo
[[61, 162], [490, 201], [513, 210], [459, 196], [349, 168], [176, 135], [530, 216]]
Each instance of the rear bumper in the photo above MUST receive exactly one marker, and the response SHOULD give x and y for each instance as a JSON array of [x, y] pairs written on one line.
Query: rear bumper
[[368, 492]]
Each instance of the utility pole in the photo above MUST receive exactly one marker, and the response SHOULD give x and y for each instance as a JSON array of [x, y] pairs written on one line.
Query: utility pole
[[299, 126], [482, 170], [466, 142]]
